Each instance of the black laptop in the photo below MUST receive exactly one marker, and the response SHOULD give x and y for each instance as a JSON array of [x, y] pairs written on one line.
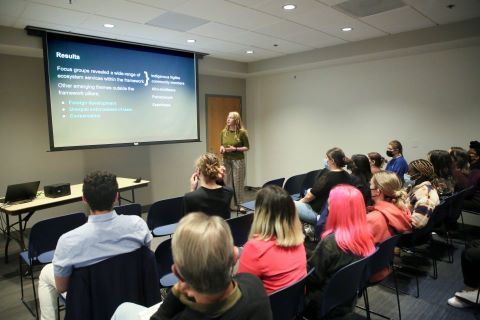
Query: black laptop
[[22, 192]]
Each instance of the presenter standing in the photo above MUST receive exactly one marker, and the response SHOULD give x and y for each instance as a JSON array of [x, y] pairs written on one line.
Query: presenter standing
[[233, 145]]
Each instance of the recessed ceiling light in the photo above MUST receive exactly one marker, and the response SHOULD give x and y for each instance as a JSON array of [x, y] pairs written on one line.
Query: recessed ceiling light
[[346, 29], [191, 40], [289, 7], [108, 25], [249, 52]]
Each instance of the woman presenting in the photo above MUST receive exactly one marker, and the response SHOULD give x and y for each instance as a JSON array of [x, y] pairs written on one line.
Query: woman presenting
[[233, 144]]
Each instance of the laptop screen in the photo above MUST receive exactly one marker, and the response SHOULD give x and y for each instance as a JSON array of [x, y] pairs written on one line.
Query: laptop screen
[[21, 191]]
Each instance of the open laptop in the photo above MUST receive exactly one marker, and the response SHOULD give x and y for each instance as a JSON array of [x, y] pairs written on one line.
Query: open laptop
[[22, 192]]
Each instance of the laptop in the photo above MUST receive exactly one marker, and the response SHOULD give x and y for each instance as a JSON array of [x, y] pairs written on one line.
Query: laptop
[[22, 192]]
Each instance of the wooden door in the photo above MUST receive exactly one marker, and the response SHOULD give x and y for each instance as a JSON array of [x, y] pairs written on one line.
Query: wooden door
[[218, 108]]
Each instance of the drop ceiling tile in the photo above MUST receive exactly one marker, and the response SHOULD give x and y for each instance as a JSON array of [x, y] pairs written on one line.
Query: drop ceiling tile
[[227, 13], [275, 7], [331, 2], [53, 15], [398, 20], [438, 11], [161, 4], [267, 43], [249, 3], [217, 30], [12, 8], [177, 21], [7, 21]]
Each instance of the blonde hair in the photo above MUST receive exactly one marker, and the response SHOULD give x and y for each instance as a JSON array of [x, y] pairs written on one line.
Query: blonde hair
[[391, 186], [276, 217], [238, 124], [209, 166], [203, 252]]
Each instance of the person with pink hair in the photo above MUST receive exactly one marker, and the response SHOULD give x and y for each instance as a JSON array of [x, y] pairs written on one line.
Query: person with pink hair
[[346, 239]]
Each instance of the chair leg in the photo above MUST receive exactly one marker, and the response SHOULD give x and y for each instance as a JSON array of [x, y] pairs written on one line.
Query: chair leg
[[34, 294], [396, 292], [367, 303]]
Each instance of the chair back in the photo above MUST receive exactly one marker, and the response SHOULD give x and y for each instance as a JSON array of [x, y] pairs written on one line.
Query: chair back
[[276, 182], [44, 234], [457, 203], [343, 286], [240, 227], [94, 292], [288, 303], [165, 212], [441, 211], [310, 179], [294, 184], [164, 258], [132, 209], [381, 258]]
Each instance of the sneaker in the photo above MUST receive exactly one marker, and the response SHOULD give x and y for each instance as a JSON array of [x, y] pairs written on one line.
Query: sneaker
[[457, 303], [468, 295]]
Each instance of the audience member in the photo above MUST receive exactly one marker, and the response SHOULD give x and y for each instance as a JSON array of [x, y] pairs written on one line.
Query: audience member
[[346, 239], [471, 277], [472, 201], [204, 259], [376, 162], [443, 172], [389, 215], [312, 204], [460, 168], [206, 195], [361, 174], [397, 164], [105, 235], [422, 196], [275, 251]]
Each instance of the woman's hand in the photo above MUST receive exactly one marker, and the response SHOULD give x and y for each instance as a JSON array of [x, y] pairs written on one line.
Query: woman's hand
[[194, 181], [222, 149], [230, 149]]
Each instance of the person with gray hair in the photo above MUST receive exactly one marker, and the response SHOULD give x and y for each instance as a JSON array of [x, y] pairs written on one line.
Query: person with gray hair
[[203, 260]]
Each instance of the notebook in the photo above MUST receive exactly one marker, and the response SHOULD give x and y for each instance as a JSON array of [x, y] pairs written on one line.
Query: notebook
[[22, 192]]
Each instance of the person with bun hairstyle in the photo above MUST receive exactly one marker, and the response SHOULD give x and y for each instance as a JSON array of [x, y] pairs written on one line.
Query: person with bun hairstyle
[[206, 194], [376, 161], [390, 214], [422, 196], [310, 206]]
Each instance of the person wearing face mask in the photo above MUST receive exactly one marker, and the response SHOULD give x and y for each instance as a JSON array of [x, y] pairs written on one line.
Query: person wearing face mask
[[422, 196], [389, 215], [472, 201], [397, 164]]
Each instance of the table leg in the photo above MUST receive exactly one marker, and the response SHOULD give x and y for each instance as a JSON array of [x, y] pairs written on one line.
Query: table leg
[[20, 229], [7, 243]]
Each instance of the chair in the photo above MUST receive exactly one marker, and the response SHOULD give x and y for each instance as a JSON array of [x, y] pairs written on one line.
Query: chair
[[163, 216], [41, 247], [294, 184], [240, 227], [275, 182], [94, 292], [381, 259], [288, 303], [310, 179], [164, 260], [343, 286], [133, 209]]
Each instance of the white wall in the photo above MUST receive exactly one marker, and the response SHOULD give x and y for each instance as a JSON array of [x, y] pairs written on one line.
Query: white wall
[[426, 100]]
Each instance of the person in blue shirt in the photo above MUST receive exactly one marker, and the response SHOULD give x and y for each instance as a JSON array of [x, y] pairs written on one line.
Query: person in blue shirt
[[397, 164]]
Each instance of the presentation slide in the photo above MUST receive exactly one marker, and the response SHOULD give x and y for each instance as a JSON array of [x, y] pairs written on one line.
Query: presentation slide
[[110, 93]]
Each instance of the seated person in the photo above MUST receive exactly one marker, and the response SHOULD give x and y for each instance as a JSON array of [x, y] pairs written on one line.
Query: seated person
[[275, 251], [443, 172], [389, 215], [105, 235], [346, 239], [376, 162], [422, 196], [206, 194], [397, 164], [461, 168], [472, 201], [204, 258], [361, 175], [311, 205]]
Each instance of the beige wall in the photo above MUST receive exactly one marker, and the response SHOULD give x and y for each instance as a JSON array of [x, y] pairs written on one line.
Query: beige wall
[[24, 140]]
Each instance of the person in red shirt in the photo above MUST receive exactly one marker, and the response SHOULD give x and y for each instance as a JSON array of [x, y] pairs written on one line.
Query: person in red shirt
[[275, 251]]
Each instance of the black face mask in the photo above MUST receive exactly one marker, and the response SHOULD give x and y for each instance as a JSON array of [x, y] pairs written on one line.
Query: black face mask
[[389, 153]]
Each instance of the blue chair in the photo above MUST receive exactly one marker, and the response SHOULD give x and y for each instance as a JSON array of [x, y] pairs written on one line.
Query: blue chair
[[41, 247], [294, 184], [163, 216], [133, 209], [288, 303], [381, 259], [276, 182], [164, 260], [240, 227]]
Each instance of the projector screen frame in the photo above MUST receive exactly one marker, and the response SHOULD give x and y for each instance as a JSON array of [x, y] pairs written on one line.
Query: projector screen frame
[[44, 33]]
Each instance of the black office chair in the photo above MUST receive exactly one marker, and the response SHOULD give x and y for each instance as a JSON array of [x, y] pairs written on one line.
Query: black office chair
[[310, 179], [288, 303], [43, 239], [132, 209], [276, 182], [240, 227], [381, 259], [294, 184], [164, 260], [163, 216]]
